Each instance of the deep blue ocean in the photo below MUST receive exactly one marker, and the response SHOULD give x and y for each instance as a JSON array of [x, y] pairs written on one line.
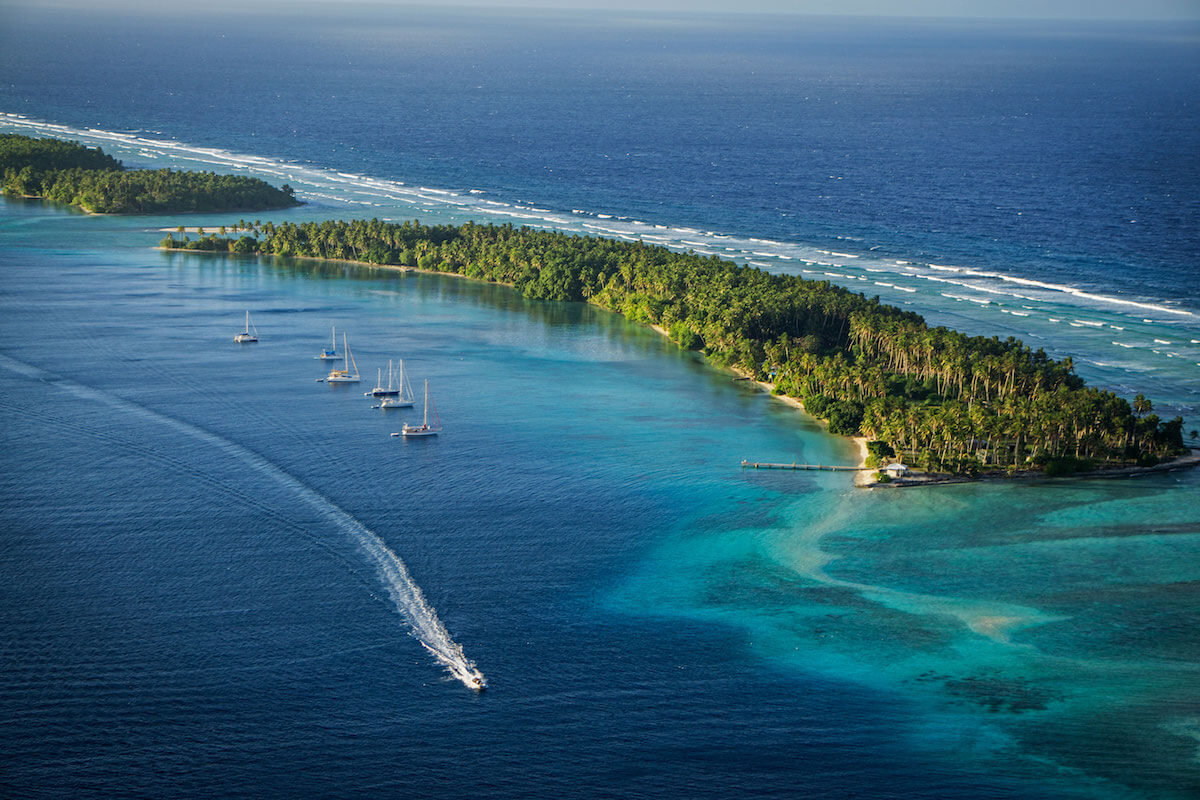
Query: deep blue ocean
[[220, 577]]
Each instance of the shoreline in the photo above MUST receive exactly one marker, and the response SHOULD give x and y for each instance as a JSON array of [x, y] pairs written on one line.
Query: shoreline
[[366, 264], [864, 478], [1189, 460]]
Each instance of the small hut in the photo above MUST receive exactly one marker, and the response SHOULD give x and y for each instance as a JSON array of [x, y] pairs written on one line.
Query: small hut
[[896, 471]]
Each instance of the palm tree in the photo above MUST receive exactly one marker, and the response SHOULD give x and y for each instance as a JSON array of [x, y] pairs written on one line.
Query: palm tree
[[1142, 406]]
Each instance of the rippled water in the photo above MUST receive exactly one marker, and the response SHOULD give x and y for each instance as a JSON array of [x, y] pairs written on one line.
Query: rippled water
[[190, 607]]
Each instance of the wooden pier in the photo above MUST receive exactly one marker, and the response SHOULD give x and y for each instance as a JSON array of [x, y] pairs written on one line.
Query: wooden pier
[[795, 466]]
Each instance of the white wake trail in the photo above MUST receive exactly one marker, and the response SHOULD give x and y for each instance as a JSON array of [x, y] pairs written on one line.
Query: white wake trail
[[405, 594]]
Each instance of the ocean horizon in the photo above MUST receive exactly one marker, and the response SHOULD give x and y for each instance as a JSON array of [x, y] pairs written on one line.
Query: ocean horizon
[[225, 577]]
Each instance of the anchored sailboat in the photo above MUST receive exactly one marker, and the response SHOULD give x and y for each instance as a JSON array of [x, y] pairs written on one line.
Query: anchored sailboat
[[329, 353], [424, 429], [345, 375], [402, 397], [380, 390], [246, 335]]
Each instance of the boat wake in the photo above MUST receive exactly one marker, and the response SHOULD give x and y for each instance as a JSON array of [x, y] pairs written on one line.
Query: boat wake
[[422, 619]]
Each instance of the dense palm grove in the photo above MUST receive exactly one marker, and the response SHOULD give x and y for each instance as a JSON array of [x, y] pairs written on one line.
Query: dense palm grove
[[71, 174], [934, 397]]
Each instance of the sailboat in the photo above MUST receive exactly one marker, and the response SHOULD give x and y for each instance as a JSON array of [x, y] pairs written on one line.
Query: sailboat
[[424, 429], [345, 375], [403, 395], [380, 390], [246, 335], [329, 353]]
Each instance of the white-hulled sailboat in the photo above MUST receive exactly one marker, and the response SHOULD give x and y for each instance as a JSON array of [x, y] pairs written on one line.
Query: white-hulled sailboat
[[246, 336], [329, 353], [424, 429], [345, 375], [403, 395]]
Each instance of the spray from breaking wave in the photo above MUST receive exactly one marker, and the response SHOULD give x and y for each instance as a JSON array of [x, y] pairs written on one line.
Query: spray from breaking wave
[[1025, 306], [405, 594], [387, 194]]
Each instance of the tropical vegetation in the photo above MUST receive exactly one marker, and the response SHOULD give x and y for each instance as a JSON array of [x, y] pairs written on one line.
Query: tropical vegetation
[[69, 173], [935, 398]]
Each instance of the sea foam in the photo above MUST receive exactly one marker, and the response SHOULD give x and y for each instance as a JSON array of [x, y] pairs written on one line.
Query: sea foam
[[351, 188]]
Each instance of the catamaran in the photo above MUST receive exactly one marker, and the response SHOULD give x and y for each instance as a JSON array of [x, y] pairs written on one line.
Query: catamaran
[[403, 395], [329, 353], [246, 335], [345, 375], [424, 429]]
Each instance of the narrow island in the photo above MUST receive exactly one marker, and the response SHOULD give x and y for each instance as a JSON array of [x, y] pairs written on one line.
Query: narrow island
[[930, 397], [68, 173]]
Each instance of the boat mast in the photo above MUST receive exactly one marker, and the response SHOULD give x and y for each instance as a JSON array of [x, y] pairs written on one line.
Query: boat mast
[[405, 386]]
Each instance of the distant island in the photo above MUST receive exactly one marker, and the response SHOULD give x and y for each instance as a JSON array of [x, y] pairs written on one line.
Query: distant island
[[69, 173], [934, 398]]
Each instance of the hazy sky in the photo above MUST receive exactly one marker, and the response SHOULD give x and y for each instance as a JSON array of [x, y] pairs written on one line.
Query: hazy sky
[[1059, 9], [1007, 9]]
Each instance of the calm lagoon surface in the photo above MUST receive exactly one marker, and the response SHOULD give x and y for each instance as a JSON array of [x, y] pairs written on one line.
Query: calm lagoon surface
[[219, 573]]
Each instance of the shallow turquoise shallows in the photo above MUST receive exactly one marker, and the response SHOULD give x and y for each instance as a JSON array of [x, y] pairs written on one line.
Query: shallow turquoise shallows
[[222, 577], [194, 575]]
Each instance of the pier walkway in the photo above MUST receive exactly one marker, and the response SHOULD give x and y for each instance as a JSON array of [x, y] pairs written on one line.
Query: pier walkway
[[795, 466]]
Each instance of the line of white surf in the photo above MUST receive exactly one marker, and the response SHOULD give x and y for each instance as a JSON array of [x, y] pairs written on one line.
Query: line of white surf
[[405, 594], [360, 190]]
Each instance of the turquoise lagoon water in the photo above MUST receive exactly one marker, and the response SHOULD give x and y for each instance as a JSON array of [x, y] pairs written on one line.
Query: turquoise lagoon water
[[221, 577], [187, 581]]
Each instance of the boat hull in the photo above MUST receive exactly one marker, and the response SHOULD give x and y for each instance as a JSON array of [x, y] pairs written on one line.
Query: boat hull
[[419, 431]]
